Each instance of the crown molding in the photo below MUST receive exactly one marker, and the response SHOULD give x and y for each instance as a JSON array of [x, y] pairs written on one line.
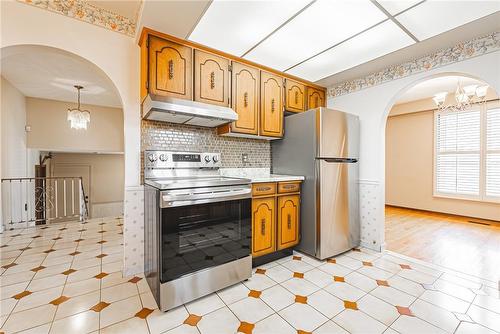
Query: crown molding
[[465, 50]]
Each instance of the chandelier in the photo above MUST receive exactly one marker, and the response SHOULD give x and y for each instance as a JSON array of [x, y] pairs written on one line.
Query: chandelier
[[79, 119], [465, 97]]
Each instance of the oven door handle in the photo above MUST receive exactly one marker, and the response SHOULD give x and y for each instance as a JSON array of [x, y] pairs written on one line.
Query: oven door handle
[[173, 200]]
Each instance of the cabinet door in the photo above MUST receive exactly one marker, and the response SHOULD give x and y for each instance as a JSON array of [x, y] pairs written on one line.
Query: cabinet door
[[315, 98], [288, 221], [245, 98], [263, 226], [295, 96], [211, 78], [271, 110], [170, 69]]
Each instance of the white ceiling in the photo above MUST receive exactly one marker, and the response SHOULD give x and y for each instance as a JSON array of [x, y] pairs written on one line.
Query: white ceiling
[[429, 88], [49, 73], [316, 39]]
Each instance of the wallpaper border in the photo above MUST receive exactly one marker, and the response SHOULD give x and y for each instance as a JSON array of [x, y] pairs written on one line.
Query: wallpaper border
[[465, 50]]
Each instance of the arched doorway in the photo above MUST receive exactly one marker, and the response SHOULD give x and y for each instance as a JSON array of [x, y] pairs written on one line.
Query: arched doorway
[[38, 87], [441, 173]]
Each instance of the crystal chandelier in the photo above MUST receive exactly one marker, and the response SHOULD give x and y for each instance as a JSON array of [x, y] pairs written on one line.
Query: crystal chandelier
[[79, 119], [464, 97]]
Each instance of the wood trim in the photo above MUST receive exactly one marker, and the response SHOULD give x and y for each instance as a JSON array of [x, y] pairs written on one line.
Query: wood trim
[[146, 31]]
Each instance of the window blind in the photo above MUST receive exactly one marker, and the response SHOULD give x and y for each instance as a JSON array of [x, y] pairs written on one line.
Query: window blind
[[458, 152], [492, 178]]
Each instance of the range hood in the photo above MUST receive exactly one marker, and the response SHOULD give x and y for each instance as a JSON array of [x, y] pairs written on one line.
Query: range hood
[[173, 110]]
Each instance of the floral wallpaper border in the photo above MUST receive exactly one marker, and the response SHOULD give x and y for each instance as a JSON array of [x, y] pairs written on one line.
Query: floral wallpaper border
[[83, 11], [464, 50]]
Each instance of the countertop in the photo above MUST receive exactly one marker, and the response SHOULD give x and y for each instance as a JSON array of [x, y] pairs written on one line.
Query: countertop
[[258, 175], [275, 178]]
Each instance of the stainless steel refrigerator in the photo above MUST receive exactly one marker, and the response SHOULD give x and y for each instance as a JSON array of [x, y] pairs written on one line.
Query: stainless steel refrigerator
[[323, 145]]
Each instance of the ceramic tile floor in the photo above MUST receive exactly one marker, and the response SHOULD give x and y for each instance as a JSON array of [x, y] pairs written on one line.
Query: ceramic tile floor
[[66, 278]]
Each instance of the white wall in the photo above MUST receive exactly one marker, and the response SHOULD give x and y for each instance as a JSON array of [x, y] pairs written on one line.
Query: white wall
[[409, 169], [50, 129], [17, 160], [373, 105], [117, 56]]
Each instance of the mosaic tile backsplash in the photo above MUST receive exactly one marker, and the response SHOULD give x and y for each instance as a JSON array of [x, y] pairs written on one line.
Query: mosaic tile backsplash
[[177, 137]]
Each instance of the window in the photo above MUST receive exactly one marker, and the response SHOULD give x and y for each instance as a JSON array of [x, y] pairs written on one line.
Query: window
[[467, 154]]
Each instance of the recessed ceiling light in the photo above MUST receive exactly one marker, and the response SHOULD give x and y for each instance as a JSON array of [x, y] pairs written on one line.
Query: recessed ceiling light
[[397, 6], [435, 17], [322, 25], [378, 41], [236, 26]]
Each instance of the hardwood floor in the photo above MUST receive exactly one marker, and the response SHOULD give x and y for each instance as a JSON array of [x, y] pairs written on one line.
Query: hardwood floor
[[446, 240]]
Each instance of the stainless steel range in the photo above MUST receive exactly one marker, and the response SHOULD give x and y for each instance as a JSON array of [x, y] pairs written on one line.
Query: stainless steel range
[[197, 226]]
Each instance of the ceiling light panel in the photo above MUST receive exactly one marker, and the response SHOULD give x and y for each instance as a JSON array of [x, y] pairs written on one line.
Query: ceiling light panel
[[322, 25], [435, 17], [376, 42], [236, 26], [397, 6]]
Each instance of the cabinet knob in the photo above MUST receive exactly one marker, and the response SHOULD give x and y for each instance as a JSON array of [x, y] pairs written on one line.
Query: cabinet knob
[[272, 105], [263, 226], [245, 99], [289, 221], [296, 97], [170, 69]]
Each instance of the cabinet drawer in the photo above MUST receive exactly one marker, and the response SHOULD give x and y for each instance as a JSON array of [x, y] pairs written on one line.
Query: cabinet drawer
[[260, 189], [288, 187]]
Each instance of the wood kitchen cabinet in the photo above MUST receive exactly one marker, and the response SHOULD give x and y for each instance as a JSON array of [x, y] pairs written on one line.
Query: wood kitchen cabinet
[[211, 78], [295, 96], [170, 69], [271, 109], [244, 100], [275, 216], [315, 98], [263, 226], [288, 221]]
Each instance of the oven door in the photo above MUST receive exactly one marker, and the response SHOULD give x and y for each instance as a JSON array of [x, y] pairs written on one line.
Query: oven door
[[202, 228]]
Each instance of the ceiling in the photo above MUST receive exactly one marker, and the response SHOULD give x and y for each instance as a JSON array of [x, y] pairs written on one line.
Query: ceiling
[[49, 73], [429, 88], [320, 38], [325, 41]]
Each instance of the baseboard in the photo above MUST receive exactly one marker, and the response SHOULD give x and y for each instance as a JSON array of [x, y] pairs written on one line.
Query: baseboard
[[462, 218]]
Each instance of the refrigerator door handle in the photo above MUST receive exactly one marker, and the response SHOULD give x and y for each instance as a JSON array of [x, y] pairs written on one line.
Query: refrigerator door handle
[[339, 160]]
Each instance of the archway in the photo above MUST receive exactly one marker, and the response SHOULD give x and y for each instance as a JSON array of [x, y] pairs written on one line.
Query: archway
[[429, 206], [41, 80]]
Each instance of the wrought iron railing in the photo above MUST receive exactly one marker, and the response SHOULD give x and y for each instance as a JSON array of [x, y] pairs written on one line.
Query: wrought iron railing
[[37, 200]]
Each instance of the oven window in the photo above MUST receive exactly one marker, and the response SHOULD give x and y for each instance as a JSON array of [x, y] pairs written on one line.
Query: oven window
[[200, 236]]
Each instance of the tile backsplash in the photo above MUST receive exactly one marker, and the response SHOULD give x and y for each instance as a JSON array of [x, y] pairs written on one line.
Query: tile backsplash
[[177, 137]]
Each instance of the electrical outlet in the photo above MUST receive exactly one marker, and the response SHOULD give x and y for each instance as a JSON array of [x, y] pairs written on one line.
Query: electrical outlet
[[244, 158]]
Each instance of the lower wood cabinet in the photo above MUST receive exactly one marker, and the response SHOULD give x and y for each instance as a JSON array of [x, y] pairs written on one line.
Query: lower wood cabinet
[[263, 226], [288, 221], [275, 216]]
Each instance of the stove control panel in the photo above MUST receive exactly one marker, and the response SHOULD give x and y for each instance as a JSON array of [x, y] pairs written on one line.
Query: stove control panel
[[169, 159]]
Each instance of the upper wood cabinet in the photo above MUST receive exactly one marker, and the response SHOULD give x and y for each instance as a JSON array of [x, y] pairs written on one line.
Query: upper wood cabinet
[[271, 109], [211, 78], [315, 98], [245, 98], [170, 69], [295, 96]]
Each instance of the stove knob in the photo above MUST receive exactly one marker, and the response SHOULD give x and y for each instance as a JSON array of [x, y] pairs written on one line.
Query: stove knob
[[207, 159], [152, 157], [163, 157], [215, 159]]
